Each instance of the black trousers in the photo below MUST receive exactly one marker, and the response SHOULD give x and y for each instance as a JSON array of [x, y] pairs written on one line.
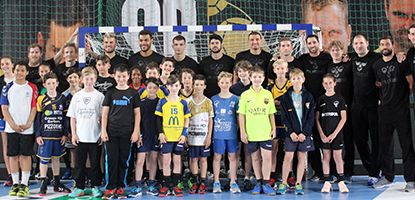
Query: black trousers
[[365, 122], [389, 121], [348, 146], [117, 158], [82, 151], [314, 157]]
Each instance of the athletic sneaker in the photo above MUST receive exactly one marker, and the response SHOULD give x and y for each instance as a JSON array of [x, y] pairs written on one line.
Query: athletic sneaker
[[299, 189], [76, 193], [137, 191], [272, 182], [178, 192], [67, 175], [14, 190], [342, 187], [282, 188], [180, 184], [235, 188], [247, 184], [326, 187], [291, 181], [257, 189], [23, 191], [202, 189], [383, 182], [152, 188], [9, 181], [120, 192], [60, 187], [347, 179], [43, 187], [192, 187], [96, 192], [164, 191], [216, 187], [268, 190], [314, 178], [109, 194], [372, 181], [410, 187]]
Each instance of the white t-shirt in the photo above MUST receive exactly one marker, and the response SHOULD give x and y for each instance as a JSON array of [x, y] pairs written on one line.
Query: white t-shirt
[[86, 108], [20, 99], [199, 121]]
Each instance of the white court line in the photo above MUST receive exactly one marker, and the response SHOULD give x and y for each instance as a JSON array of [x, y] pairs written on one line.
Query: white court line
[[396, 192]]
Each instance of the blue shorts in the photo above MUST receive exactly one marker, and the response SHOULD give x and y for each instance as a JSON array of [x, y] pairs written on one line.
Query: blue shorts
[[51, 149], [2, 125], [254, 146], [307, 145], [223, 146], [172, 147], [198, 152], [148, 146]]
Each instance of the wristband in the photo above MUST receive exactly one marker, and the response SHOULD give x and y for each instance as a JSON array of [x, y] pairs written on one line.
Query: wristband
[[185, 132]]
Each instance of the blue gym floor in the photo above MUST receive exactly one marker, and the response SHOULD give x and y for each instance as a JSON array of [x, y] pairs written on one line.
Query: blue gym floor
[[358, 191]]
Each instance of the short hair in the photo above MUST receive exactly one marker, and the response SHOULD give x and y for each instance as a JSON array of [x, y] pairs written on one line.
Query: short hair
[[153, 80], [312, 36], [70, 44], [257, 70], [73, 71], [49, 75], [35, 45], [243, 64], [283, 39], [411, 27], [254, 33], [296, 72], [87, 71], [386, 37], [168, 59], [135, 67], [45, 64], [7, 57], [329, 75], [21, 62], [225, 75], [110, 35], [187, 70], [120, 68], [280, 62], [199, 77], [317, 5], [336, 44], [361, 35], [215, 37], [104, 58], [172, 80], [179, 38], [151, 66], [145, 32]]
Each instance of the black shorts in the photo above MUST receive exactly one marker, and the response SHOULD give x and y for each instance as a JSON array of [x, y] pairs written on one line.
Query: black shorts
[[255, 146], [336, 144], [20, 144]]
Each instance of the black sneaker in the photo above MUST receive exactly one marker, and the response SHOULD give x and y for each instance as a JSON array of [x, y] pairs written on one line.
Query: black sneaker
[[60, 187], [43, 186]]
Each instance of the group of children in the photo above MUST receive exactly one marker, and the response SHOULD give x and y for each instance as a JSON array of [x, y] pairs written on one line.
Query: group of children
[[162, 119]]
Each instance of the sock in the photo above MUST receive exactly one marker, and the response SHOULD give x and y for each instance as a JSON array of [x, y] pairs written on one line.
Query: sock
[[260, 181], [266, 181], [341, 177], [326, 177], [203, 180], [25, 177], [15, 178], [274, 175], [176, 178], [167, 181], [57, 179]]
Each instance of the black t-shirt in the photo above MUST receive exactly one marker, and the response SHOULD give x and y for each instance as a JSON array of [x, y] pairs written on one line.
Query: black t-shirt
[[148, 123], [314, 69], [138, 60], [115, 61], [187, 62], [211, 68], [238, 88], [103, 84], [410, 60], [121, 113], [291, 65], [330, 108], [365, 91], [394, 92], [62, 72], [34, 76], [344, 79], [261, 60]]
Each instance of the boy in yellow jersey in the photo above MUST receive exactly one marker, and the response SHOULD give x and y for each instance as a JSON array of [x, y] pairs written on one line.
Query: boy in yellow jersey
[[278, 88], [152, 71], [172, 123], [200, 135], [257, 125]]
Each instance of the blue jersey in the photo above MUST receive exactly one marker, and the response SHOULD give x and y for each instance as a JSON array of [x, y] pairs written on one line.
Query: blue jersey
[[225, 119], [50, 120]]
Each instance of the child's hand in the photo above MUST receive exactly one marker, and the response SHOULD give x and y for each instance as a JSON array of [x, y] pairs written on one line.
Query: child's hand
[[16, 127], [301, 137], [244, 138], [273, 134], [294, 137], [208, 142], [277, 103], [140, 141], [182, 139], [324, 139], [330, 138], [39, 140], [104, 136], [134, 137], [75, 139], [162, 138], [63, 140]]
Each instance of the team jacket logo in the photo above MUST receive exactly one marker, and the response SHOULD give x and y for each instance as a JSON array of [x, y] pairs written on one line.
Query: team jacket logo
[[360, 65], [387, 70], [87, 100], [266, 100], [336, 103], [307, 105]]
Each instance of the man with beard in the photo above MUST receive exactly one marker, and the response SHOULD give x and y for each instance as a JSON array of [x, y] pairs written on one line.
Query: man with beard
[[255, 54], [314, 65], [285, 50], [401, 15], [109, 44], [34, 56], [180, 57], [411, 53], [395, 82], [146, 55], [365, 105], [214, 64]]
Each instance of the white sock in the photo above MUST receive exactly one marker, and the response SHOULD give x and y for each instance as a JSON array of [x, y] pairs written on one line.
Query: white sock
[[25, 177], [15, 178]]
